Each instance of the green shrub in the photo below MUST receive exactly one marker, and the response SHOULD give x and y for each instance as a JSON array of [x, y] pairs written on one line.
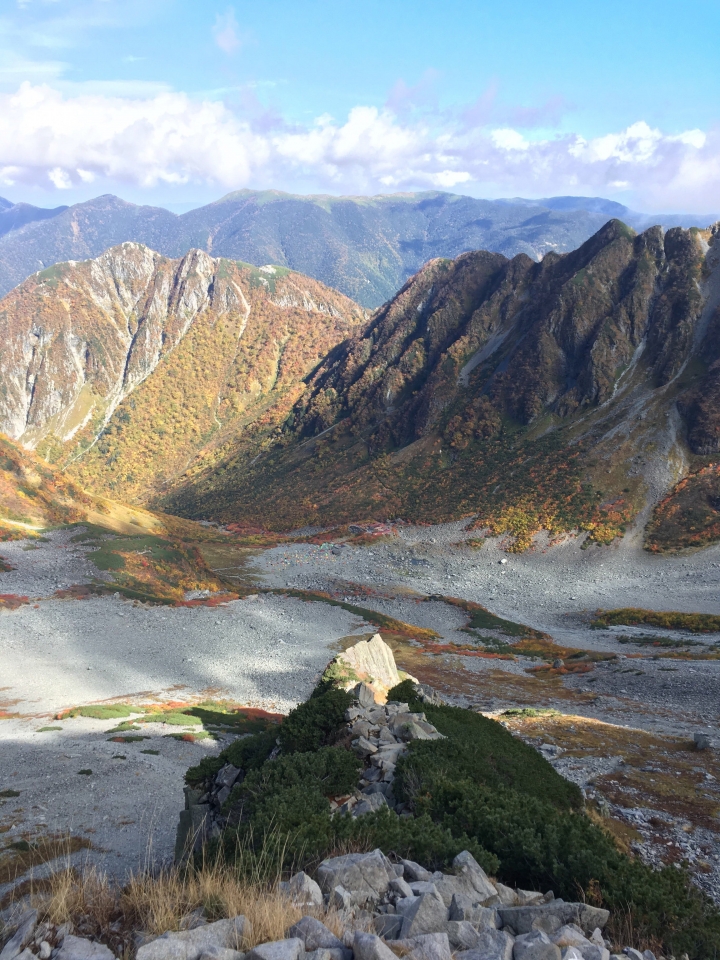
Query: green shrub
[[481, 751], [246, 753], [315, 723]]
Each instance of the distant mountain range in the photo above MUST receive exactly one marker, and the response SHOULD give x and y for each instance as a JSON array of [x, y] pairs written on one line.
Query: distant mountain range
[[366, 247], [581, 392]]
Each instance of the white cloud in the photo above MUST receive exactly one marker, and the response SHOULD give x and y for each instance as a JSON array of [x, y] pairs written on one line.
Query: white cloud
[[226, 32], [167, 137]]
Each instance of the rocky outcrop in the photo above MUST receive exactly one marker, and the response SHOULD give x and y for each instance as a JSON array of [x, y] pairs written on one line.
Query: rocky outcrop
[[369, 662]]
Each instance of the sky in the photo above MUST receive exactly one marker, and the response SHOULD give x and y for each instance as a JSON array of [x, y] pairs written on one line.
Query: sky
[[178, 102]]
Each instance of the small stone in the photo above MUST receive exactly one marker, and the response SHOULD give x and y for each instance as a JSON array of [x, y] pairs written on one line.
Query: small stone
[[492, 945], [702, 742], [363, 747], [45, 950], [341, 899], [388, 926]]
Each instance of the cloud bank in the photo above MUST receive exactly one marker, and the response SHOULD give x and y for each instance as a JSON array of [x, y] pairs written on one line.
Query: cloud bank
[[49, 140]]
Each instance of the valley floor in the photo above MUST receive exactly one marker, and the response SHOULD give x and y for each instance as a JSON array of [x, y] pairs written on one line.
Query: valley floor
[[625, 736]]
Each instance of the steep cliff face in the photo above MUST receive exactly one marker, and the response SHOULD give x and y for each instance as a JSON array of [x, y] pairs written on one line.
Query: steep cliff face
[[216, 338], [568, 393]]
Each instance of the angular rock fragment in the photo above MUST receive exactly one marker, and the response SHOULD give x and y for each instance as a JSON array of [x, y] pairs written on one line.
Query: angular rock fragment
[[292, 949]]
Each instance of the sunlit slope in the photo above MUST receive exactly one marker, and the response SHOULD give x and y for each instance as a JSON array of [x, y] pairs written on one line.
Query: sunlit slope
[[567, 394]]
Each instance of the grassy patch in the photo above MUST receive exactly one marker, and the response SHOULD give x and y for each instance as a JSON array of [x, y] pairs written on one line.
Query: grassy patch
[[130, 739], [8, 794], [101, 711], [653, 640], [173, 719], [85, 773], [524, 712], [153, 753], [636, 616], [47, 729]]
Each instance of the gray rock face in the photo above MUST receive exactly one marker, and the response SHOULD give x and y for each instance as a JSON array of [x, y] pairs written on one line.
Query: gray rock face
[[492, 945], [469, 880], [192, 944], [314, 935], [366, 946], [430, 946], [291, 949], [77, 948], [463, 907], [401, 887], [586, 917], [303, 891], [366, 876], [535, 946], [424, 914], [388, 925], [22, 936], [413, 871]]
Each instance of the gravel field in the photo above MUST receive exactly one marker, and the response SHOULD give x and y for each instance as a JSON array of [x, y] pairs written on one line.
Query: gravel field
[[269, 651]]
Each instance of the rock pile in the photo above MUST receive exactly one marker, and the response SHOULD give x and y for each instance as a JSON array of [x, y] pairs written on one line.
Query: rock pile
[[415, 913], [380, 734]]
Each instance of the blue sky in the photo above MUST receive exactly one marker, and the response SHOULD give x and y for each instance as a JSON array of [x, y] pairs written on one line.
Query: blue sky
[[173, 102]]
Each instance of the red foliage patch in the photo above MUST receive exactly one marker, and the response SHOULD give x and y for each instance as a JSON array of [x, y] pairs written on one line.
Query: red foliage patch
[[12, 601]]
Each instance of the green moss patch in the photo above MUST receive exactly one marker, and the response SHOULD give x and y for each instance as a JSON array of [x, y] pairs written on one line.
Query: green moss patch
[[667, 620]]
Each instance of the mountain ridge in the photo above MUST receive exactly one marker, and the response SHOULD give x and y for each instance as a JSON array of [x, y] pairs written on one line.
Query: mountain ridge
[[366, 247], [142, 360], [566, 394]]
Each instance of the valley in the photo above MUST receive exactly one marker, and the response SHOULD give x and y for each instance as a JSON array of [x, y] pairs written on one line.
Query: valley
[[266, 650]]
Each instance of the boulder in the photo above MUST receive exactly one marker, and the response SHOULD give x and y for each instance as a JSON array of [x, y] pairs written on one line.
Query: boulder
[[596, 952], [314, 935], [401, 887], [192, 944], [329, 953], [463, 907], [291, 949], [468, 869], [521, 918], [77, 948], [492, 945], [341, 899], [424, 914], [302, 891], [222, 953], [370, 804], [507, 895], [462, 934], [429, 946], [388, 925], [535, 946], [22, 936], [371, 662], [413, 871], [366, 946], [571, 953], [366, 876], [570, 935]]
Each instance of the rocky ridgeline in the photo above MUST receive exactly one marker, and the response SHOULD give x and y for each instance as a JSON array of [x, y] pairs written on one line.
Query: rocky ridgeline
[[380, 735], [416, 914]]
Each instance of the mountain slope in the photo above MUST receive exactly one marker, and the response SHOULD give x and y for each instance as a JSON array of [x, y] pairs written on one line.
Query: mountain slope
[[571, 393], [125, 368], [367, 247]]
